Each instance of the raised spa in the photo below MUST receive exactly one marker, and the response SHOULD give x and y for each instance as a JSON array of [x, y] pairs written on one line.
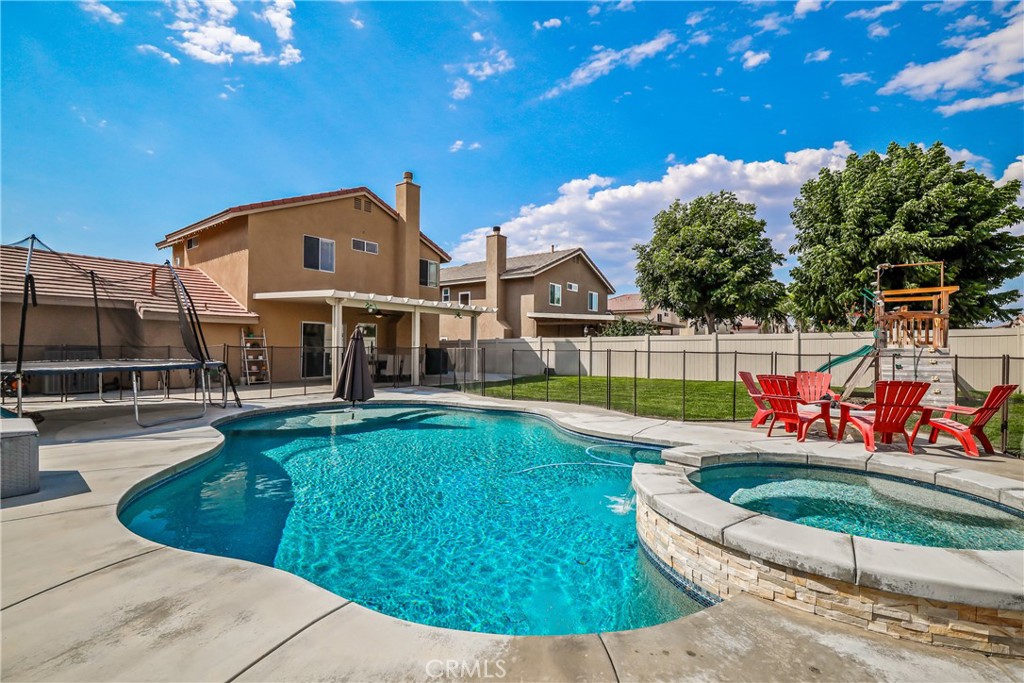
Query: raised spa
[[869, 505], [478, 521]]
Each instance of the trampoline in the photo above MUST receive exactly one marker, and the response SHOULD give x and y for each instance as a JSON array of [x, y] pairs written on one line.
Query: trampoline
[[168, 287]]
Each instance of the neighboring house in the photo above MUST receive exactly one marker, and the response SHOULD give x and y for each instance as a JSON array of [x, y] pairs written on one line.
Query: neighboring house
[[138, 316], [551, 294], [632, 307], [316, 266]]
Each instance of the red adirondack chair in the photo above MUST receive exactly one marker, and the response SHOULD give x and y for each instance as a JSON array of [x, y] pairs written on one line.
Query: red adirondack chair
[[754, 391], [781, 393], [894, 403], [815, 386], [966, 434]]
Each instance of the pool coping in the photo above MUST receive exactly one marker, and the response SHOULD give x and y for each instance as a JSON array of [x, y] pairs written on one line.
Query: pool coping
[[76, 596]]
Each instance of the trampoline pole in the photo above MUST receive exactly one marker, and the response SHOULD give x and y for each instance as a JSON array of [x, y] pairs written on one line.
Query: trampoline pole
[[96, 307]]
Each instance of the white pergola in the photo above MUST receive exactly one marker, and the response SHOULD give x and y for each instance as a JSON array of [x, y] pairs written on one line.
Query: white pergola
[[338, 299]]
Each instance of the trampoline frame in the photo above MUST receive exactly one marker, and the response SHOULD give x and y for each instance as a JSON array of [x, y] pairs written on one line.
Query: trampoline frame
[[135, 368]]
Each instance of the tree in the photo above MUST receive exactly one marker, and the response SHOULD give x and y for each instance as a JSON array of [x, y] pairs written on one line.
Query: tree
[[709, 261], [908, 206], [624, 327]]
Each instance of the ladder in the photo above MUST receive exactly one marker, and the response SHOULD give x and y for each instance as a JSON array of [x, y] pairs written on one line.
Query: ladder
[[255, 361]]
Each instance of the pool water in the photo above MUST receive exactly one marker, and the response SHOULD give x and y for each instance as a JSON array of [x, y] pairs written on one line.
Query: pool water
[[872, 506], [471, 520]]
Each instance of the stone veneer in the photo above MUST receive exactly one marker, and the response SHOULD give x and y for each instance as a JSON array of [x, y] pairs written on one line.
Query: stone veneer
[[727, 572]]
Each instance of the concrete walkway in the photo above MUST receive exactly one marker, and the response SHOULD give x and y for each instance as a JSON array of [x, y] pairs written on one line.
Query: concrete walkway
[[84, 599]]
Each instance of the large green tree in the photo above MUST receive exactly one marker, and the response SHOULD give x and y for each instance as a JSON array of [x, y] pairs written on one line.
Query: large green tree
[[709, 261], [907, 206]]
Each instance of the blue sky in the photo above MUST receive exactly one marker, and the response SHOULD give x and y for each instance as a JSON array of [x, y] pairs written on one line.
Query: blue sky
[[568, 123]]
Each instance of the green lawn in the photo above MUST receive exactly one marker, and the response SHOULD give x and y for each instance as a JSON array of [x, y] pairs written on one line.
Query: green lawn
[[664, 398]]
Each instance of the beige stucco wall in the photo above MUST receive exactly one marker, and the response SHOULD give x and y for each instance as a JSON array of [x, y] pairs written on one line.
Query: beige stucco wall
[[223, 254]]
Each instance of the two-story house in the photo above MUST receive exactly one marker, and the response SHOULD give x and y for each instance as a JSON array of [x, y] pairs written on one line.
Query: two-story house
[[633, 307], [316, 266], [560, 293]]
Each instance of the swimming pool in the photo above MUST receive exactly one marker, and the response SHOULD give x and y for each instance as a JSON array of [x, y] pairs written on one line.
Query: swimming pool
[[869, 505], [473, 520]]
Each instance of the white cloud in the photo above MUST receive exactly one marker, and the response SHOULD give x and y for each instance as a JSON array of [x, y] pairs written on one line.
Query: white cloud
[[773, 22], [718, 71], [744, 98], [358, 23], [783, 131], [871, 13], [986, 60], [819, 55], [460, 145], [671, 158], [494, 63], [967, 24], [278, 13], [477, 37], [741, 44], [983, 164], [975, 103], [694, 18], [874, 109], [99, 11], [805, 7], [700, 38], [462, 89], [945, 6], [605, 60], [878, 30], [553, 22], [752, 60], [594, 10], [475, 146], [154, 50], [456, 146], [1015, 171], [208, 36], [768, 106], [606, 219], [854, 78]]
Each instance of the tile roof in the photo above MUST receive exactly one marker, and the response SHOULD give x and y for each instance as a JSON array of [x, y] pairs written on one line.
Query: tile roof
[[515, 266], [64, 276], [626, 303], [241, 209]]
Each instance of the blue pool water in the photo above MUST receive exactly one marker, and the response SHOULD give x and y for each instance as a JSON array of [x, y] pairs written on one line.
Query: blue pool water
[[460, 519], [866, 505]]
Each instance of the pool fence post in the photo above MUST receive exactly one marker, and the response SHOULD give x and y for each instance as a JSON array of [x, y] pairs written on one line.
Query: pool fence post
[[579, 376], [956, 374], [683, 418], [608, 379], [270, 361], [547, 375], [735, 360], [483, 370], [512, 368], [635, 371]]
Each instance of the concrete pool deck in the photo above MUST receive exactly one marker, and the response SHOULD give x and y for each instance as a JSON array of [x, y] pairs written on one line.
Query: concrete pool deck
[[83, 598]]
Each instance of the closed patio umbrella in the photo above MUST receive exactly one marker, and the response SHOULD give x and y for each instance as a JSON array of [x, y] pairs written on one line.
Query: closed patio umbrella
[[354, 383]]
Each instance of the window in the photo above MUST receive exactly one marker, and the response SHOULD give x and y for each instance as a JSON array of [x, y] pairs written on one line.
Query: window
[[592, 301], [192, 243], [660, 318], [572, 286], [555, 294], [428, 273], [464, 298], [366, 246], [446, 295], [318, 254]]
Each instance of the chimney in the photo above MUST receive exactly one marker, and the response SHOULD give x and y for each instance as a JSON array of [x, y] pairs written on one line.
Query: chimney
[[407, 204], [497, 249]]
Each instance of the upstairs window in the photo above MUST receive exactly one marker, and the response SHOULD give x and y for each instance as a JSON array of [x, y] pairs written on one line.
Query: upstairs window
[[428, 272], [192, 243], [464, 298], [446, 295], [318, 254], [555, 294], [365, 246], [572, 286], [592, 301]]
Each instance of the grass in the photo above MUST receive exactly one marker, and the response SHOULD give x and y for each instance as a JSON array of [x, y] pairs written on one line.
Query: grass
[[664, 398]]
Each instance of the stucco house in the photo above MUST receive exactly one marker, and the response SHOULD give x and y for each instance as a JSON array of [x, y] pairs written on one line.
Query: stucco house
[[633, 307], [314, 267], [550, 294]]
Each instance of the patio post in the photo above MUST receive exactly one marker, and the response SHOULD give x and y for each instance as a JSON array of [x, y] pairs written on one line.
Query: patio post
[[337, 335], [415, 364]]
